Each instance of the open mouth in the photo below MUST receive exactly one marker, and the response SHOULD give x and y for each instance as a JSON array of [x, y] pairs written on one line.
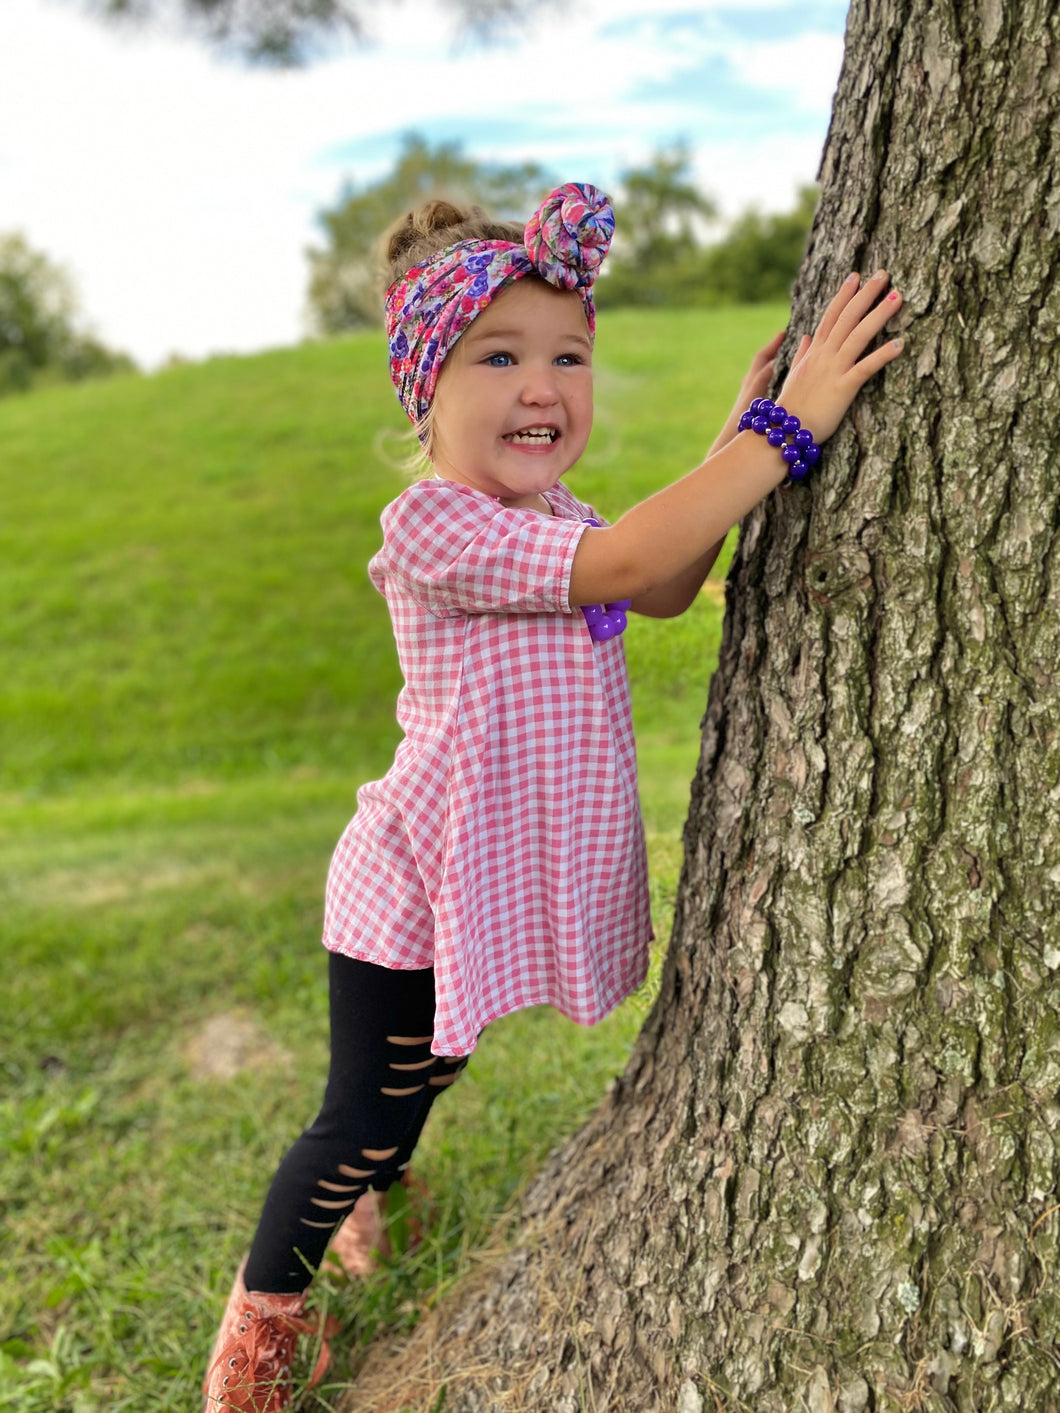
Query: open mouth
[[533, 436]]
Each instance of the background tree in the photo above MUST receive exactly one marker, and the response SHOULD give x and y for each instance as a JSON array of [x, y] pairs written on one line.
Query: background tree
[[344, 287], [660, 220], [288, 32], [827, 1180], [662, 256], [760, 255], [37, 307], [38, 322]]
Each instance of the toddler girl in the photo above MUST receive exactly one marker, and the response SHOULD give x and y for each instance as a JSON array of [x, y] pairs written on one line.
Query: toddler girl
[[500, 863]]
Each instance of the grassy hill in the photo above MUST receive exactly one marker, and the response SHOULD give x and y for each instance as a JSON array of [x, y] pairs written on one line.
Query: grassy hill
[[197, 675]]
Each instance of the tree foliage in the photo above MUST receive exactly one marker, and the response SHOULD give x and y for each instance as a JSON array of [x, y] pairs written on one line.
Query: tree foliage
[[344, 290], [38, 322], [660, 220], [662, 254], [760, 256], [284, 33]]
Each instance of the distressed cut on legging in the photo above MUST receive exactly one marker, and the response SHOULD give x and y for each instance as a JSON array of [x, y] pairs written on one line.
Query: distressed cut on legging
[[382, 1082]]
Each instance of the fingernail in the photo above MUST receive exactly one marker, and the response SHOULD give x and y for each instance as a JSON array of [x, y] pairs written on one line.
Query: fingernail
[[854, 276], [893, 294], [897, 343], [880, 275]]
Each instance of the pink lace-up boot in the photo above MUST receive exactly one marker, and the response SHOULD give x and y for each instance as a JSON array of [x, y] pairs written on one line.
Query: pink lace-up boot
[[364, 1237], [250, 1368]]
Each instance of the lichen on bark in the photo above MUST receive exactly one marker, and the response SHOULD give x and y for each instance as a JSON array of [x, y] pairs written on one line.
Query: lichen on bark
[[827, 1179]]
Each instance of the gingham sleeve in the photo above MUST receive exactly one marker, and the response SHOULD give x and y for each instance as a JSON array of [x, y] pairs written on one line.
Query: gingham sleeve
[[456, 552]]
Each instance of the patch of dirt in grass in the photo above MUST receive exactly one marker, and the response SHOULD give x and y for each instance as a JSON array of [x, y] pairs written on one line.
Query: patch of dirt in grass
[[230, 1043], [97, 884]]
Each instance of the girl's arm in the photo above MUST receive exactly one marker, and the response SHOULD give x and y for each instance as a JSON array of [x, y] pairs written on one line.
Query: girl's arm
[[670, 600], [680, 593], [671, 534]]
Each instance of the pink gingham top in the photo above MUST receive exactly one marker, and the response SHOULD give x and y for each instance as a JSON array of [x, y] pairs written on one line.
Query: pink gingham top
[[504, 847]]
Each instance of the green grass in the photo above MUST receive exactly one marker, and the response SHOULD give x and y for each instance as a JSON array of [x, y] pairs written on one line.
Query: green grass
[[197, 676]]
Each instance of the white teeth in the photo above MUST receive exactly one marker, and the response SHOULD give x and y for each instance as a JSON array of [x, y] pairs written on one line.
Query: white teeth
[[533, 436]]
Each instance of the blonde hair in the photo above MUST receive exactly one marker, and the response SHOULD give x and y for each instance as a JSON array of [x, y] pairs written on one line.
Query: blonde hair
[[421, 233]]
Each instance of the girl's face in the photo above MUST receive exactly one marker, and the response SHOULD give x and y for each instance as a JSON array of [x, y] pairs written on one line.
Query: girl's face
[[514, 403]]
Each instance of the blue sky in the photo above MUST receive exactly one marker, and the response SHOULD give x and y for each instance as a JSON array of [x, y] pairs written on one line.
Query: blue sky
[[181, 191]]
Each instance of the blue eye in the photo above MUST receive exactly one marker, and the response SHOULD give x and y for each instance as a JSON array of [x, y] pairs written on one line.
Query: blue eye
[[499, 360], [568, 360]]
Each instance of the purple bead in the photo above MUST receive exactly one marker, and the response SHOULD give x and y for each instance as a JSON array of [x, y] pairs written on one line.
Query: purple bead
[[797, 470], [791, 453], [621, 604], [811, 454], [775, 437], [803, 438], [591, 520], [765, 407], [791, 424], [618, 618], [753, 409], [603, 630], [777, 416], [592, 613], [746, 420], [760, 424]]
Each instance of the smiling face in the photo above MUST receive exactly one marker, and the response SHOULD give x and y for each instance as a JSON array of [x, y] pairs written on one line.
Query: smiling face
[[514, 404]]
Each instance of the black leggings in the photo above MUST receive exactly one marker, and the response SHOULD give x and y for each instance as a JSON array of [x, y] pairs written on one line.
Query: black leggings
[[381, 1085]]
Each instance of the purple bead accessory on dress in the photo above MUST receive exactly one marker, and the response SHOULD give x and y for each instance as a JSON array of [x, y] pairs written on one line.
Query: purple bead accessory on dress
[[606, 620], [776, 424]]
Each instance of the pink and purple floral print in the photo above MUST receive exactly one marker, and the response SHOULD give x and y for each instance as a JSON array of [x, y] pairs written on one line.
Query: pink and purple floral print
[[569, 234], [430, 307]]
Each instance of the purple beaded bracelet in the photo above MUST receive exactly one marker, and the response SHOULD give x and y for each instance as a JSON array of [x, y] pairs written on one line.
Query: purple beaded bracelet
[[604, 620], [776, 424]]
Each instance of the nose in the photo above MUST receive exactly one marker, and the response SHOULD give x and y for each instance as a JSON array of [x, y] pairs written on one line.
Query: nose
[[539, 387]]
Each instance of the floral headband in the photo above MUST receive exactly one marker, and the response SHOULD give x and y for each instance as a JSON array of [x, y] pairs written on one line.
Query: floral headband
[[430, 307]]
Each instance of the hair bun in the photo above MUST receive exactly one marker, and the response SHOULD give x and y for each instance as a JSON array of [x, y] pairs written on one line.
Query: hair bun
[[439, 214], [569, 234], [429, 224]]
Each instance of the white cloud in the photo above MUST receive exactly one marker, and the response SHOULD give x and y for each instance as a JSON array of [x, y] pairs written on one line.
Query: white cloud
[[809, 61], [181, 191]]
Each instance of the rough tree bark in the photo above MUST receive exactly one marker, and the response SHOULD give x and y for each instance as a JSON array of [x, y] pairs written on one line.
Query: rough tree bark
[[828, 1178]]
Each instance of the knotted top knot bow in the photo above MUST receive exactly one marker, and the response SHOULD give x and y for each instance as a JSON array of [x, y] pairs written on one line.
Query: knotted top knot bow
[[569, 234], [427, 310]]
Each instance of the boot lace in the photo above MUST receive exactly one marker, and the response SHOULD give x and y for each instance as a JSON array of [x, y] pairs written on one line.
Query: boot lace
[[255, 1365]]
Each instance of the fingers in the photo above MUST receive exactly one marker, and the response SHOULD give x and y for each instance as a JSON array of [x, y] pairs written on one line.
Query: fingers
[[774, 343], [846, 292], [877, 359], [802, 350], [767, 354], [829, 369], [860, 308], [863, 333], [850, 305], [853, 320]]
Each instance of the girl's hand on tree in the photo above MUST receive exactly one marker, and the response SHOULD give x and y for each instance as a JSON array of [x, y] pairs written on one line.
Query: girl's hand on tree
[[759, 375], [828, 370], [755, 384]]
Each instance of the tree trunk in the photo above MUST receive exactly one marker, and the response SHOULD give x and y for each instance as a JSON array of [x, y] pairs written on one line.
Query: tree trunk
[[828, 1179]]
